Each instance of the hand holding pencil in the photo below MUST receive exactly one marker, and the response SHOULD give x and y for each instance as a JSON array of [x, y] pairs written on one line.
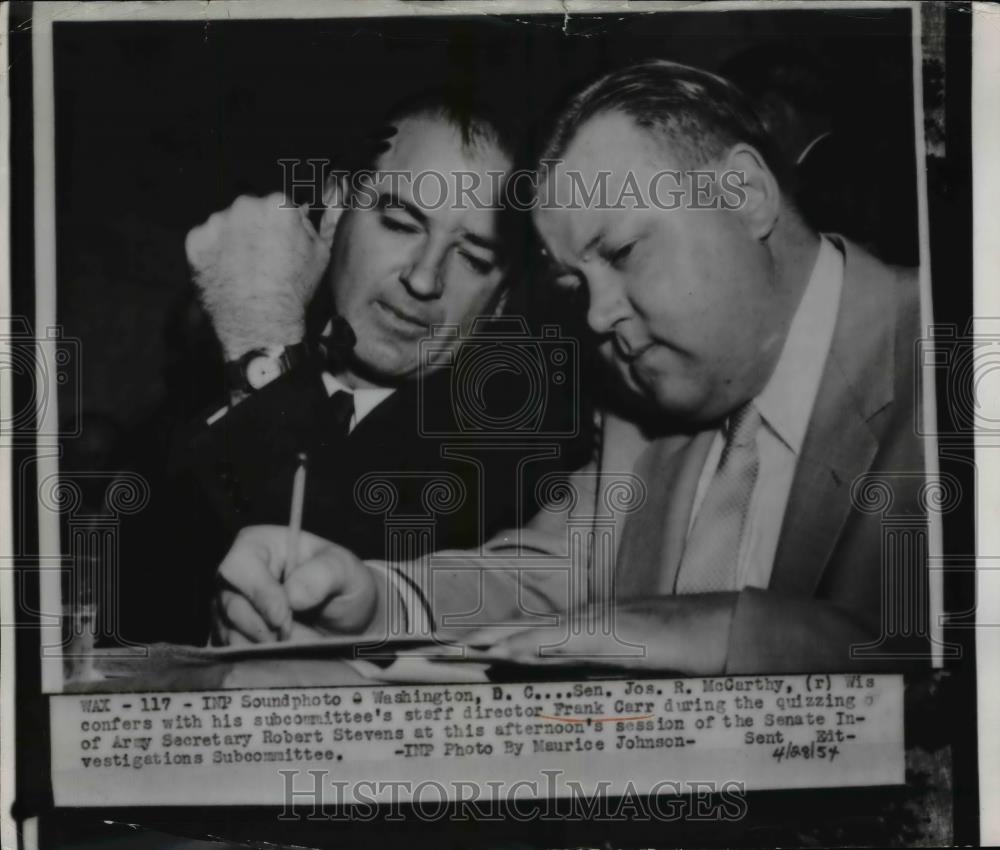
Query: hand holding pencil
[[283, 583]]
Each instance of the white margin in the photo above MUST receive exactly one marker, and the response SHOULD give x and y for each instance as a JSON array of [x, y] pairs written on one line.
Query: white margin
[[8, 828], [928, 394], [47, 409], [986, 304], [224, 10]]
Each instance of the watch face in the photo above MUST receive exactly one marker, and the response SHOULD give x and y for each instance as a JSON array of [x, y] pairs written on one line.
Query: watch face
[[262, 370]]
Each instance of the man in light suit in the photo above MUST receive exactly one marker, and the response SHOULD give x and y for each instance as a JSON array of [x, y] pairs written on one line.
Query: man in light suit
[[774, 378]]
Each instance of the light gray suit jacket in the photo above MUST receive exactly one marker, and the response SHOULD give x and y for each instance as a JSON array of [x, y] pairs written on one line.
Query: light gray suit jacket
[[851, 557]]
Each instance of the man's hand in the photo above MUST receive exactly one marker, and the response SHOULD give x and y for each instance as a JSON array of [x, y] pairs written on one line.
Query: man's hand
[[327, 591], [256, 266], [686, 634]]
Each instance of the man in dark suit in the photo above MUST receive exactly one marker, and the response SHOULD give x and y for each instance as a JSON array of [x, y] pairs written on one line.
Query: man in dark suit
[[398, 463], [775, 419]]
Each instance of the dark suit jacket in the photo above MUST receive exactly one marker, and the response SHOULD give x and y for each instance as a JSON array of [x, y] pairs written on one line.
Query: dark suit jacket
[[408, 474], [408, 480], [851, 558]]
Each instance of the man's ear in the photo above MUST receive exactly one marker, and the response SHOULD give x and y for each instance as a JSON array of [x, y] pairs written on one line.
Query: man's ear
[[747, 175], [334, 204]]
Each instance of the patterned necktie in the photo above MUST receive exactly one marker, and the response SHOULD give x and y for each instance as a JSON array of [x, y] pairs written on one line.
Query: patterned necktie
[[710, 557]]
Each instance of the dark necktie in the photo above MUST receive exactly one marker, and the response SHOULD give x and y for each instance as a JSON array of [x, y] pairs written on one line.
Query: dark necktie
[[337, 345], [337, 414]]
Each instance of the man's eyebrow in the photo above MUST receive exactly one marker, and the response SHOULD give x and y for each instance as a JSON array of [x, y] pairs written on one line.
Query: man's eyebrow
[[593, 242], [612, 234], [388, 200], [482, 241]]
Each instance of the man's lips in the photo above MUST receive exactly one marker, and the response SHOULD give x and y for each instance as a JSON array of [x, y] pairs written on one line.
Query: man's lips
[[639, 364], [402, 317], [630, 352]]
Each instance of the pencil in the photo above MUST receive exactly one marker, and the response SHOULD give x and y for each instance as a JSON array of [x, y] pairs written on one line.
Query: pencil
[[294, 528]]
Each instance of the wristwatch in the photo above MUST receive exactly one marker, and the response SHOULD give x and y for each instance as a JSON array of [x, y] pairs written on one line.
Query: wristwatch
[[259, 366]]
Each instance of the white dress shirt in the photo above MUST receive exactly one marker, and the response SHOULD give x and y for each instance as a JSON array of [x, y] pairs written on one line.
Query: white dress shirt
[[785, 406], [366, 399]]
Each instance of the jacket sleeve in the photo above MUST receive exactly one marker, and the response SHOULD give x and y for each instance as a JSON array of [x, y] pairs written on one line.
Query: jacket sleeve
[[776, 633], [520, 576], [244, 460]]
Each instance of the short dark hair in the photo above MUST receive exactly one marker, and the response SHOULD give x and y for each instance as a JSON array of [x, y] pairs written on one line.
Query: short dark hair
[[699, 113], [477, 122]]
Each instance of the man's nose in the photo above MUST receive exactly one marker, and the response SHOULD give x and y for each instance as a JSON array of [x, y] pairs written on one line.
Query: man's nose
[[422, 277], [607, 305]]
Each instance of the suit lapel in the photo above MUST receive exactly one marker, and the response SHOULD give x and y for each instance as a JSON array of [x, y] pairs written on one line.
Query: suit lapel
[[653, 537], [841, 442], [392, 418], [838, 448]]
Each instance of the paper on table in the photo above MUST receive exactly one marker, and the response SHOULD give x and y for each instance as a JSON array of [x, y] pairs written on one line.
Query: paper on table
[[341, 645], [437, 650], [411, 659], [420, 669]]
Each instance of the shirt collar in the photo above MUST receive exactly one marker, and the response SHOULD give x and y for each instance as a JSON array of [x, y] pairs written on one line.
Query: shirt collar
[[366, 399], [786, 401]]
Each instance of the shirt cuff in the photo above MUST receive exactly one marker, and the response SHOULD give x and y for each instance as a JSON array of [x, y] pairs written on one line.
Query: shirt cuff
[[416, 611]]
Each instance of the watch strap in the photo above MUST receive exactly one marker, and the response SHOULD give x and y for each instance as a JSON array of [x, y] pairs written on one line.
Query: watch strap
[[289, 357]]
